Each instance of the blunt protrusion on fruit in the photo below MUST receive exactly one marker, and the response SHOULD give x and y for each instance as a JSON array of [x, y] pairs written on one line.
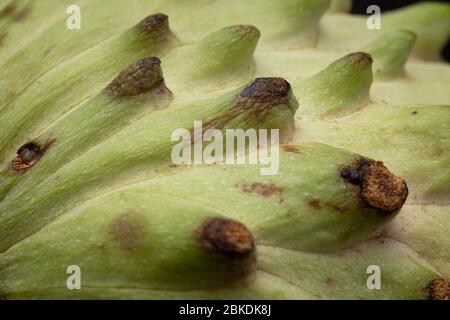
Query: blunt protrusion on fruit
[[379, 188], [155, 25], [390, 53], [139, 78], [28, 155], [439, 289], [267, 90], [226, 236]]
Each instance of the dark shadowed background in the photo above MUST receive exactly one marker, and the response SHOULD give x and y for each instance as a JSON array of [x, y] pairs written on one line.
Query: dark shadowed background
[[360, 7]]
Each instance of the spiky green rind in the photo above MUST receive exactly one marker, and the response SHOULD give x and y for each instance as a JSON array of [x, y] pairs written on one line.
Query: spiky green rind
[[31, 111], [341, 88], [144, 147], [304, 248]]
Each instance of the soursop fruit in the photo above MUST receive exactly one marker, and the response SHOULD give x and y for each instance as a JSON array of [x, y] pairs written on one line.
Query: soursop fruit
[[359, 207]]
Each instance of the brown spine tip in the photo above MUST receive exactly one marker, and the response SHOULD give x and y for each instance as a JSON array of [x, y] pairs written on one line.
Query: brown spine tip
[[267, 90], [245, 30], [439, 289], [226, 236], [139, 78], [28, 155], [379, 188], [359, 57], [155, 25]]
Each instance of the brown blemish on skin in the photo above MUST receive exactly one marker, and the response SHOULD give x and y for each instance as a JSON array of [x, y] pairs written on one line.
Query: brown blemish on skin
[[127, 230], [379, 188], [138, 78], [8, 10], [226, 236], [329, 281], [29, 154], [314, 204], [264, 189], [290, 148], [439, 289], [414, 112]]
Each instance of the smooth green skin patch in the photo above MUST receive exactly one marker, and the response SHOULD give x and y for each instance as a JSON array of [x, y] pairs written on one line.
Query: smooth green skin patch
[[424, 228], [344, 275]]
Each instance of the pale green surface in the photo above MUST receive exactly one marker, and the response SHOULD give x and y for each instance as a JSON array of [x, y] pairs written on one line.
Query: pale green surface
[[303, 254]]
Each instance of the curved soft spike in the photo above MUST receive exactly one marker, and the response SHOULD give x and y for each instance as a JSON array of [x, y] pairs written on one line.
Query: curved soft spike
[[229, 48], [224, 56], [339, 89], [390, 53]]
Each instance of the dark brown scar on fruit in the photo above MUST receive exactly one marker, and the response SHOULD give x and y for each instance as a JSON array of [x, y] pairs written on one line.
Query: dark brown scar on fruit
[[290, 148], [315, 204], [379, 188], [256, 101], [139, 78], [438, 289], [9, 10], [264, 189], [155, 26], [29, 154], [225, 236], [127, 230]]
